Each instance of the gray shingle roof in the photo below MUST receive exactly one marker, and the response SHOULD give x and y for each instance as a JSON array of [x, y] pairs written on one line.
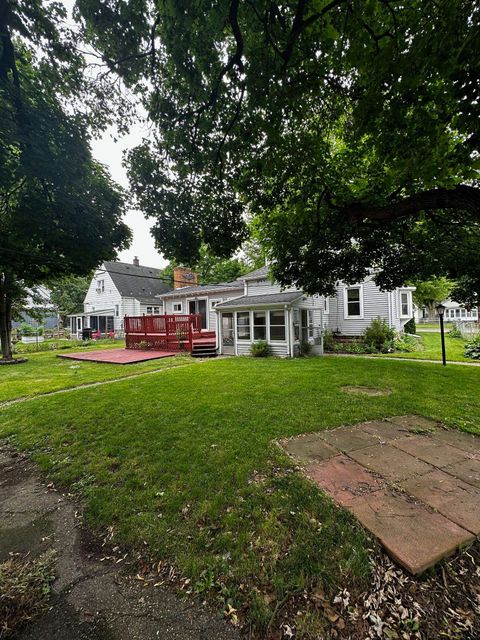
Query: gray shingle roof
[[137, 282], [257, 274], [265, 300], [206, 288]]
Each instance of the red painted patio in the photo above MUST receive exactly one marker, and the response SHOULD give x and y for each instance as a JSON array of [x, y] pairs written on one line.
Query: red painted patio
[[117, 356]]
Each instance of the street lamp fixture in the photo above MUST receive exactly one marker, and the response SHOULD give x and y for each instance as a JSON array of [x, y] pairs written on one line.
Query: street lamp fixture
[[441, 313]]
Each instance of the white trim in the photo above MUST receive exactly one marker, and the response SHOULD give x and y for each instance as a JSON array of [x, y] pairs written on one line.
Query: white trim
[[207, 310], [177, 310], [346, 315], [213, 303], [326, 305]]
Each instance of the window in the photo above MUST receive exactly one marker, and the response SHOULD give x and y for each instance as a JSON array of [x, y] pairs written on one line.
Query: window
[[213, 303], [243, 325], [353, 299], [404, 304], [464, 313], [156, 310], [277, 325], [310, 323], [326, 305], [117, 310], [177, 307], [100, 286], [259, 325], [457, 313]]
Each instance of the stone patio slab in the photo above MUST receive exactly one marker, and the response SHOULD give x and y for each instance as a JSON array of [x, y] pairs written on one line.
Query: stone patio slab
[[412, 421], [309, 448], [457, 500], [416, 537], [436, 453], [384, 430], [467, 470], [394, 464], [464, 441], [348, 438], [344, 479]]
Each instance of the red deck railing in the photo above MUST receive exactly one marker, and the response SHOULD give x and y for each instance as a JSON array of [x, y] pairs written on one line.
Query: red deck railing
[[165, 332]]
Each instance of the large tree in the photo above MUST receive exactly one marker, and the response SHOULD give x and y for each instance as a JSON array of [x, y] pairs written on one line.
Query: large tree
[[347, 128], [429, 293], [60, 213]]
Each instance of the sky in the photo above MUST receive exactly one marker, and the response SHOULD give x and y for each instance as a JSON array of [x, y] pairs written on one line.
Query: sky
[[109, 151]]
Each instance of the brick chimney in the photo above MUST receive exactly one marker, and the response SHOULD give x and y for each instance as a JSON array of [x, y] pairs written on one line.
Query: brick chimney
[[136, 262], [184, 277]]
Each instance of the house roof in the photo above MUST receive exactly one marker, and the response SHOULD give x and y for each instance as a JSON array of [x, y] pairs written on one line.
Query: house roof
[[258, 274], [264, 300], [205, 288], [142, 283]]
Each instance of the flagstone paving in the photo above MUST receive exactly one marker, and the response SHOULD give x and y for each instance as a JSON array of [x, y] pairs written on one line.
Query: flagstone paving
[[414, 484]]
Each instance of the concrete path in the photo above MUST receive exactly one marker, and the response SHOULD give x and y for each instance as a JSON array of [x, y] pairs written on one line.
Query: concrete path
[[92, 599], [413, 483]]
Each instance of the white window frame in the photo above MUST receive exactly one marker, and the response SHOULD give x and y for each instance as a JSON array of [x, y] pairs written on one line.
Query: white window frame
[[285, 325], [101, 286], [179, 305], [117, 310], [244, 340], [326, 305], [149, 313], [214, 302], [265, 325], [409, 303], [346, 315]]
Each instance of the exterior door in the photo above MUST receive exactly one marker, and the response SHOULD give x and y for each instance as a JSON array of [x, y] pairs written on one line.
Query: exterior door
[[304, 325], [200, 307], [228, 335]]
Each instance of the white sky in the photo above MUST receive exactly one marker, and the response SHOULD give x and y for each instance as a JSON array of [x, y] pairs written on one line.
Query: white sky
[[110, 153]]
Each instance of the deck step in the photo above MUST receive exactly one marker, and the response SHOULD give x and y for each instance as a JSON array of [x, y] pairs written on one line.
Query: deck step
[[204, 350]]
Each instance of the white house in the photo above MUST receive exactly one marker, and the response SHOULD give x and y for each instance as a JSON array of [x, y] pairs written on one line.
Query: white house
[[118, 289], [255, 308], [454, 312]]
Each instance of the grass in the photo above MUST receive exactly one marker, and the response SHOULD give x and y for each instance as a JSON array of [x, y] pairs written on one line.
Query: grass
[[45, 372], [25, 587], [432, 349], [183, 465]]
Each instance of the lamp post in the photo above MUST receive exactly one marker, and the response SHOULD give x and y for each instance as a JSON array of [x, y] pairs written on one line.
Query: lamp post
[[441, 312]]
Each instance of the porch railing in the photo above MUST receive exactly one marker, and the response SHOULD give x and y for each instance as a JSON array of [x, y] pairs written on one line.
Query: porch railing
[[169, 332]]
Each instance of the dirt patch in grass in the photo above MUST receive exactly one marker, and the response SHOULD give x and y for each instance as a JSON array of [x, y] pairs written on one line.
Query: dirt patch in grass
[[25, 586], [367, 391]]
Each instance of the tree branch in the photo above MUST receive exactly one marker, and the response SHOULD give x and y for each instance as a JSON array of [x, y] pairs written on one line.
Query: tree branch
[[461, 197]]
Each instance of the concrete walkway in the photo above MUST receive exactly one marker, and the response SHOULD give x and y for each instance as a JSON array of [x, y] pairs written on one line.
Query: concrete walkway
[[95, 597], [413, 483]]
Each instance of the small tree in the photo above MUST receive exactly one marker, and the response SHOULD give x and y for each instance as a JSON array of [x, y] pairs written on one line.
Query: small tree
[[68, 293], [429, 293]]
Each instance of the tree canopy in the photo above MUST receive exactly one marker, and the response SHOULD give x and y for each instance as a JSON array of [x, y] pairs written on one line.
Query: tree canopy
[[429, 293], [60, 212], [347, 129]]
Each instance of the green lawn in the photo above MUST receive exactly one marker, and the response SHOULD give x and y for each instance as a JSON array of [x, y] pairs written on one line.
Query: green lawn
[[432, 349], [183, 464], [45, 372]]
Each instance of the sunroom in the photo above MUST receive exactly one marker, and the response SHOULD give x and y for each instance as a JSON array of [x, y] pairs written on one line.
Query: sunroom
[[283, 320]]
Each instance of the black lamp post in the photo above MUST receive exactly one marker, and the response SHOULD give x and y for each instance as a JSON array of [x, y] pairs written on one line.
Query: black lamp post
[[441, 312]]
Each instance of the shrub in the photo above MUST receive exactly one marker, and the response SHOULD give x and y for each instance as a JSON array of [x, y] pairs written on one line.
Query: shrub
[[353, 346], [455, 332], [260, 349], [472, 348], [26, 329], [406, 343], [328, 340], [410, 326], [305, 348], [379, 337]]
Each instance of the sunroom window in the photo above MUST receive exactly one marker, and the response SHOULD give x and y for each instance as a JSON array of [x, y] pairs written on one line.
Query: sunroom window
[[243, 325], [277, 325], [259, 325], [405, 306]]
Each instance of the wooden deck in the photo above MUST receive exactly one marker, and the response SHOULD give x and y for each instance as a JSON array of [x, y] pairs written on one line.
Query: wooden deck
[[117, 356]]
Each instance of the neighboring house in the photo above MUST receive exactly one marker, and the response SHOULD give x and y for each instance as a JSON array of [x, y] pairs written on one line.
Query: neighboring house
[[119, 289], [454, 312], [254, 308], [38, 310]]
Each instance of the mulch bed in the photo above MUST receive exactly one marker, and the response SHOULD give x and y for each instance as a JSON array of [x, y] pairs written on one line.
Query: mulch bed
[[13, 361]]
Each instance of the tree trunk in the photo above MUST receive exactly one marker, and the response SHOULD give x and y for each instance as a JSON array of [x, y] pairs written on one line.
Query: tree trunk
[[5, 319]]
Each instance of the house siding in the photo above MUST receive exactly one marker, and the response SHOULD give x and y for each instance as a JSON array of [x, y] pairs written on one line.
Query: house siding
[[105, 300], [211, 314]]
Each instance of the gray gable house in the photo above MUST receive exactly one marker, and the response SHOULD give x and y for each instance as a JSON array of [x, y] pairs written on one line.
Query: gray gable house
[[119, 289], [256, 308]]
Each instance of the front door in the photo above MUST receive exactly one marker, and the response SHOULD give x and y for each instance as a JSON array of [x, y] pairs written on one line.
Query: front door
[[200, 307], [228, 336]]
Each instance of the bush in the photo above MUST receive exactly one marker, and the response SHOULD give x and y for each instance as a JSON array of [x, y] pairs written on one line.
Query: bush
[[26, 329], [260, 349], [305, 348], [472, 348], [455, 332], [379, 337], [406, 343], [328, 340], [410, 326], [353, 346]]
